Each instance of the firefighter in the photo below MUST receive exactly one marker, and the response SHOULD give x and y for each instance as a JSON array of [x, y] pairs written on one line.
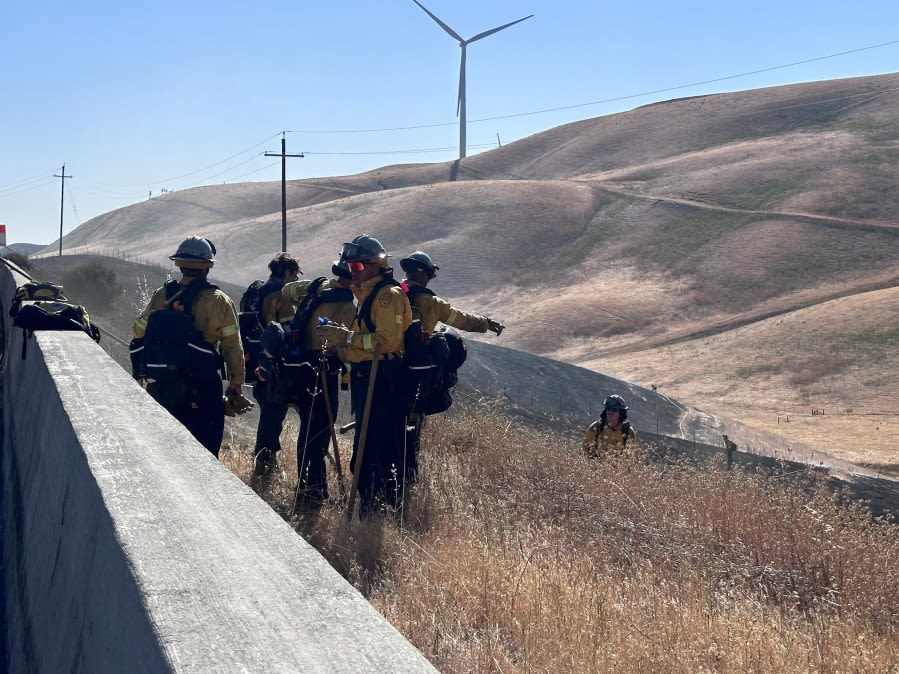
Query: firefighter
[[379, 326], [430, 309], [307, 366], [275, 307], [612, 433], [194, 397]]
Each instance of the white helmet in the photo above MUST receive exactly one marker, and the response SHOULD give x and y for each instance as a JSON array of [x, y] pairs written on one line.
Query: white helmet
[[195, 250]]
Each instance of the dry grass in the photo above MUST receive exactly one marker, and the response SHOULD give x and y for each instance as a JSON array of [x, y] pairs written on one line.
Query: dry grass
[[514, 554]]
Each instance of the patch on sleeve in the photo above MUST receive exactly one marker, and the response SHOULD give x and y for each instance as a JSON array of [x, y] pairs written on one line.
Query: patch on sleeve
[[384, 299]]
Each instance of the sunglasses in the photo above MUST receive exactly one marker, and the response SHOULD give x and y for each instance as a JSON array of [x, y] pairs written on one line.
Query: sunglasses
[[356, 267]]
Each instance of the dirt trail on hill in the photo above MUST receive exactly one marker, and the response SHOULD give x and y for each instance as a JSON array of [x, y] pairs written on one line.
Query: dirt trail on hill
[[858, 223], [721, 326]]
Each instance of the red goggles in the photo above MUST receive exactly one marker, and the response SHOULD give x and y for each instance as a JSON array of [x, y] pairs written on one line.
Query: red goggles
[[356, 267]]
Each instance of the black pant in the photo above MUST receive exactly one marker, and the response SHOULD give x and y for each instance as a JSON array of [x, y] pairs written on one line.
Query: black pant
[[272, 410], [381, 472], [315, 426], [413, 444], [197, 405]]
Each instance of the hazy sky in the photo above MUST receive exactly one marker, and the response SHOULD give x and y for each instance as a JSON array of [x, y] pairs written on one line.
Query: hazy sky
[[139, 98]]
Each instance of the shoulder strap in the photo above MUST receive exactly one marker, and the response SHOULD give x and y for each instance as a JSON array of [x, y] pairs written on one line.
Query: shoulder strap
[[625, 430], [335, 295], [365, 309], [268, 289], [312, 293], [299, 330], [187, 294], [597, 441], [418, 290], [307, 303]]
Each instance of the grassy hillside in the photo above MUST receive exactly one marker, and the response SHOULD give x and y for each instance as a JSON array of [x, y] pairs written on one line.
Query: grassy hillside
[[618, 242], [513, 553]]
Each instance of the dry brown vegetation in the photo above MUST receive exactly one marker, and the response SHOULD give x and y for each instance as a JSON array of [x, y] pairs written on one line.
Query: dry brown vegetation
[[690, 245], [515, 554], [737, 252]]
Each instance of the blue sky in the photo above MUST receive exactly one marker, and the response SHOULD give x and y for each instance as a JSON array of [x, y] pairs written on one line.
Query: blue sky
[[135, 99]]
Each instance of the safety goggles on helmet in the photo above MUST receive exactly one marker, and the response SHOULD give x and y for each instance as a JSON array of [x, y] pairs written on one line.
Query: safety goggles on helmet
[[356, 266], [352, 252], [363, 248]]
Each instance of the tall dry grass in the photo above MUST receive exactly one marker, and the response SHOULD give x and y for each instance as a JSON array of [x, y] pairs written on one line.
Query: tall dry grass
[[514, 554]]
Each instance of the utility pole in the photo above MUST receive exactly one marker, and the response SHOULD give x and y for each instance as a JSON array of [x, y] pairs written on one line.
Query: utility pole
[[284, 157], [62, 196]]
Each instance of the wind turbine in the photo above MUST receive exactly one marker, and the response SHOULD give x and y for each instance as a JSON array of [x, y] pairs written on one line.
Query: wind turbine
[[460, 106]]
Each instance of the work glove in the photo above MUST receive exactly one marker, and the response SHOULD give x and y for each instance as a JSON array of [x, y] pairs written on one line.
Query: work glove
[[334, 334], [495, 326], [235, 402]]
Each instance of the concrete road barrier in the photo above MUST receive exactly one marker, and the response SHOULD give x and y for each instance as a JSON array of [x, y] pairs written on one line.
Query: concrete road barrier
[[126, 547]]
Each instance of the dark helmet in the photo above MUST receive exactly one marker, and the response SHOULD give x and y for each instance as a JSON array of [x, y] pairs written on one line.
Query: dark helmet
[[194, 251], [363, 248], [419, 260], [340, 269], [614, 402]]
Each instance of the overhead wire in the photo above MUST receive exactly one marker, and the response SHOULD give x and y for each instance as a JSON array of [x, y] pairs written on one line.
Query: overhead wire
[[25, 184], [614, 99], [32, 183], [74, 208]]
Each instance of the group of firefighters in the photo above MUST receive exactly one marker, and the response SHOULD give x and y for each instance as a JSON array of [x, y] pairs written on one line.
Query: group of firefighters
[[357, 327]]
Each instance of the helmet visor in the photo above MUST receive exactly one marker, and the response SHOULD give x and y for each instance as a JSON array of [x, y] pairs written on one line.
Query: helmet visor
[[351, 252]]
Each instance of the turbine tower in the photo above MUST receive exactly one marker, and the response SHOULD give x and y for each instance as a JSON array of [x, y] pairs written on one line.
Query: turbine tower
[[460, 106]]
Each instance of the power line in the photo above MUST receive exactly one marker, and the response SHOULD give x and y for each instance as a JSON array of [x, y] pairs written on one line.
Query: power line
[[25, 184], [486, 119], [610, 100], [383, 152], [210, 166]]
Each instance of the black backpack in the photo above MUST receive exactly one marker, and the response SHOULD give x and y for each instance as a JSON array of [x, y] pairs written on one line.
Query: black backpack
[[43, 306], [433, 362], [452, 344], [289, 351], [250, 322], [172, 350]]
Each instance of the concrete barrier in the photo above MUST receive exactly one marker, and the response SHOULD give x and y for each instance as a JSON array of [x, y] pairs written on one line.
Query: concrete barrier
[[126, 547]]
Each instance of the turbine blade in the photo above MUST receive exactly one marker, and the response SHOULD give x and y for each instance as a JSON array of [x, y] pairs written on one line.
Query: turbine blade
[[440, 23], [493, 30]]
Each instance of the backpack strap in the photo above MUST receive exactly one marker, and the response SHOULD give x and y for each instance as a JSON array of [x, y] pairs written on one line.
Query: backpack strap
[[418, 290], [298, 329], [365, 309], [626, 432], [312, 293], [174, 291], [264, 292]]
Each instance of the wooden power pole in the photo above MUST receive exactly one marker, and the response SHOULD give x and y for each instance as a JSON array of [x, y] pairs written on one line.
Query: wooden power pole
[[62, 195], [283, 154]]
